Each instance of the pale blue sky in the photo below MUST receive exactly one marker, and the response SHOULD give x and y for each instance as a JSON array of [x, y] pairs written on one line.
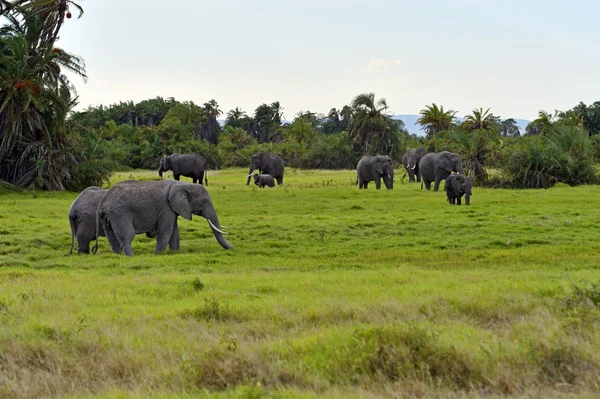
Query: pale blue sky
[[517, 57]]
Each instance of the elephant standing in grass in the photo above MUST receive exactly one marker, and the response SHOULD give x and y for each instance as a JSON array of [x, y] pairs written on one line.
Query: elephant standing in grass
[[411, 160], [188, 165], [436, 166], [456, 186], [373, 168], [132, 208], [266, 163], [264, 180]]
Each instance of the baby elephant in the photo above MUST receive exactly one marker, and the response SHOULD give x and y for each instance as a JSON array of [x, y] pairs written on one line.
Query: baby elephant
[[264, 180], [456, 186]]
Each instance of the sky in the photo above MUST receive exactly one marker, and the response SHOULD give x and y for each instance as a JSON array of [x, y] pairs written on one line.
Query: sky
[[515, 57]]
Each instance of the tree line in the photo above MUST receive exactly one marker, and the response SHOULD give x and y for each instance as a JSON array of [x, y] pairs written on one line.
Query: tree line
[[46, 144]]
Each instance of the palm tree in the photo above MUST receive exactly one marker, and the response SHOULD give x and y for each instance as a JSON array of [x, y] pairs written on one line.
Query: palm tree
[[434, 119], [509, 128], [35, 94], [371, 128], [481, 120], [543, 124], [211, 128]]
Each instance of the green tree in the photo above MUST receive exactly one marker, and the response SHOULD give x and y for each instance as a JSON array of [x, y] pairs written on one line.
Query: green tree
[[481, 120], [434, 119], [36, 96], [371, 129], [509, 128], [543, 124]]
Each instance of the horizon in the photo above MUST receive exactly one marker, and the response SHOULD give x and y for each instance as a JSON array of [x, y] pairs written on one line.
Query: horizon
[[320, 55]]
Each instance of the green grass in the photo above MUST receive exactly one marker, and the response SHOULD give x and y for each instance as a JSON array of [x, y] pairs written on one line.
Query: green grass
[[330, 291]]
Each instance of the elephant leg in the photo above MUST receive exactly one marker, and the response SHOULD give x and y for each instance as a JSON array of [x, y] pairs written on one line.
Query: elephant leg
[[112, 240], [200, 178], [458, 201], [83, 245], [195, 180], [436, 186], [279, 180], [176, 177], [174, 240], [418, 176], [378, 183], [125, 234], [427, 184], [366, 184], [165, 231]]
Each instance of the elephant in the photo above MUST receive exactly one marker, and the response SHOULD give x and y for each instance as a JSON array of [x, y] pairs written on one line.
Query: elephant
[[188, 165], [264, 180], [411, 160], [266, 163], [436, 166], [373, 168], [82, 218], [132, 208], [456, 186]]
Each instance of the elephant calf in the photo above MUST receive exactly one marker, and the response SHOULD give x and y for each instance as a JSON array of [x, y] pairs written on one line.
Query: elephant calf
[[456, 186], [264, 180]]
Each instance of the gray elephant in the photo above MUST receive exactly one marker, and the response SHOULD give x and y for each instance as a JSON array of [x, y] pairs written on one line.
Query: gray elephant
[[373, 168], [456, 186], [82, 218], [132, 208], [266, 163], [188, 165], [436, 166], [264, 180], [411, 160]]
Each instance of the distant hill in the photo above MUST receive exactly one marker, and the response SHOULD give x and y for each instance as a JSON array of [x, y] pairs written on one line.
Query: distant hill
[[410, 121]]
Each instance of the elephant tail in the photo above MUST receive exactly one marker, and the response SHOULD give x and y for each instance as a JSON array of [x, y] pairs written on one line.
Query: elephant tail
[[95, 247], [421, 185], [73, 224]]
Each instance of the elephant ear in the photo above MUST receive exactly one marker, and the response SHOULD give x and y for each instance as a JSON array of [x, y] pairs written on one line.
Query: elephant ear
[[444, 161], [377, 166], [263, 162], [179, 201]]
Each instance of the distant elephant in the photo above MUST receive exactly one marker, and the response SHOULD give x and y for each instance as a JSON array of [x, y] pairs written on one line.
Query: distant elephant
[[436, 166], [411, 160], [188, 165], [264, 180], [266, 163], [456, 186], [373, 168], [132, 208]]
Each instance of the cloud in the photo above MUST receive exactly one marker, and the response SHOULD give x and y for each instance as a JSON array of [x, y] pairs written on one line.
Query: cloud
[[380, 63]]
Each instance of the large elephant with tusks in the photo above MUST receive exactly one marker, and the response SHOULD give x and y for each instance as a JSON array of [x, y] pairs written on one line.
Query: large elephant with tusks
[[411, 160], [374, 168], [267, 164], [131, 208], [436, 166]]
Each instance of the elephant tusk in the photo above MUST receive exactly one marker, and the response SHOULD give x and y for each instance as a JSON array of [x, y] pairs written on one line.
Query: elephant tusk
[[250, 174], [413, 168], [215, 227], [224, 227]]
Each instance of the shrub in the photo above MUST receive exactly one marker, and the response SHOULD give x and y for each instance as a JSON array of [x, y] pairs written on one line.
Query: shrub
[[563, 155]]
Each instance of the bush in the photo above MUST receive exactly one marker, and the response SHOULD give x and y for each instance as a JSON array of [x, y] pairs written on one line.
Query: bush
[[563, 155]]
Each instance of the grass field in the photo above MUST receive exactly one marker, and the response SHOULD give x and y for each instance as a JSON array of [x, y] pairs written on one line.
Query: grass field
[[328, 292]]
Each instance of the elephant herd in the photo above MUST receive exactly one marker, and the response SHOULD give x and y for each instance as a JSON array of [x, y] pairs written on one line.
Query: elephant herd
[[134, 207], [420, 166], [152, 207]]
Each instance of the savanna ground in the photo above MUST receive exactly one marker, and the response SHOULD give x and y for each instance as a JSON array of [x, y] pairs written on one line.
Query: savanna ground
[[329, 291]]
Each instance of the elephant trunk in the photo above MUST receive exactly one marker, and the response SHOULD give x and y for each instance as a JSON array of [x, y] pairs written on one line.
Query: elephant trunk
[[160, 171], [467, 199], [216, 229]]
